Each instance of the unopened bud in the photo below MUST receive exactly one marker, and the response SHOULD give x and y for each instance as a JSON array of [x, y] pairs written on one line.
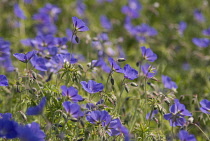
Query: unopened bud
[[89, 64], [34, 75], [80, 66], [167, 101], [121, 59], [155, 79], [193, 100], [112, 81], [190, 120], [23, 115], [77, 39], [200, 117], [126, 88], [134, 84], [95, 39], [181, 98]]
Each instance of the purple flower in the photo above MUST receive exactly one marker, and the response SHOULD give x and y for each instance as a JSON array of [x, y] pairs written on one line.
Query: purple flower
[[185, 136], [55, 63], [80, 7], [37, 110], [148, 54], [46, 29], [151, 114], [19, 12], [73, 109], [168, 83], [205, 106], [97, 117], [103, 37], [145, 30], [178, 112], [130, 73], [25, 57], [115, 66], [8, 128], [39, 63], [116, 128], [185, 66], [5, 60], [132, 9], [46, 17], [5, 116], [71, 37], [28, 1], [206, 32], [105, 22], [201, 42], [30, 132], [101, 1], [92, 86], [71, 93], [182, 27], [79, 25], [3, 80], [198, 16], [47, 14], [148, 70], [90, 106]]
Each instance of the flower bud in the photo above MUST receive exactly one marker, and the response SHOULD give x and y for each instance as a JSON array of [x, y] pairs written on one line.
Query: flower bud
[[121, 59], [190, 120], [112, 81], [81, 67], [126, 88], [181, 98], [134, 84]]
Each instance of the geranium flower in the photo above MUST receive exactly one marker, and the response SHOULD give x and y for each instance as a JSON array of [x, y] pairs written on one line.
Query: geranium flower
[[148, 70], [8, 128], [24, 57], [168, 83], [71, 93], [199, 16], [129, 72], [185, 136], [206, 32], [205, 106], [105, 22], [132, 9], [30, 132], [97, 117], [115, 66], [201, 42], [79, 25], [92, 86], [178, 112], [73, 109], [182, 27], [3, 80], [148, 54], [37, 110], [151, 114], [19, 12]]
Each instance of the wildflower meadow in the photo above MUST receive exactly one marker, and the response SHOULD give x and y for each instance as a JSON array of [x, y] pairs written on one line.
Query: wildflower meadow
[[105, 70]]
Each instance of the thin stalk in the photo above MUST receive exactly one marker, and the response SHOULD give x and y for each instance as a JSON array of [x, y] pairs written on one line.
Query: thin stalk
[[202, 131], [120, 97]]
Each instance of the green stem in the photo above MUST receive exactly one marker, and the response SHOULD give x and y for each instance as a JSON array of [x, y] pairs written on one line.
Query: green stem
[[202, 131], [120, 97]]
